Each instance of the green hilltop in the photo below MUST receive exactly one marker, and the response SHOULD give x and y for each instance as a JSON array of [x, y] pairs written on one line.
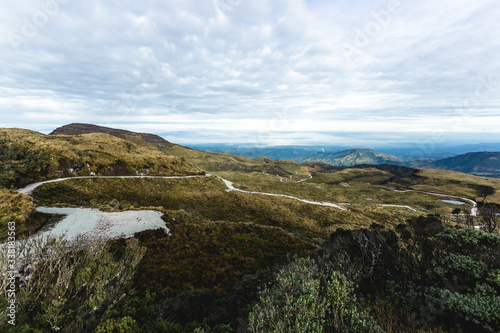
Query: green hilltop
[[29, 156], [353, 157]]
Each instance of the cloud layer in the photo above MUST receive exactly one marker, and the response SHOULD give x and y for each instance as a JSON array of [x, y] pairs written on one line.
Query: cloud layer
[[260, 71]]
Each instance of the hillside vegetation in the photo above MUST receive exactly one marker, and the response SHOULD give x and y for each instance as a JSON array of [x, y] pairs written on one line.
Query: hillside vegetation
[[352, 157], [245, 261], [28, 156], [480, 164]]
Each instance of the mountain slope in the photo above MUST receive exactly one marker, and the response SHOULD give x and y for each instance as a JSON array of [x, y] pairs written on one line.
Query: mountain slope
[[480, 163], [352, 157], [210, 162], [139, 138], [27, 156]]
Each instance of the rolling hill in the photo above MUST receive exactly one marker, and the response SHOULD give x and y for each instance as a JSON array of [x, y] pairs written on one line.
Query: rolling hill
[[27, 156], [207, 161], [139, 138], [479, 164], [352, 157]]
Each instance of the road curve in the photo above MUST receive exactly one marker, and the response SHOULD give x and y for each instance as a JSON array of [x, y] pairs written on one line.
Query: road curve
[[473, 211], [31, 187], [230, 187]]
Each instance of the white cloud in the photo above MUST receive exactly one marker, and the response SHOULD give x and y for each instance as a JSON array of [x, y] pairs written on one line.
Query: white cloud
[[235, 66]]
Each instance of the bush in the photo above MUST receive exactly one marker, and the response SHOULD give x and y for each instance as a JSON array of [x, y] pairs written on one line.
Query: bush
[[306, 299], [69, 284], [122, 325], [433, 276]]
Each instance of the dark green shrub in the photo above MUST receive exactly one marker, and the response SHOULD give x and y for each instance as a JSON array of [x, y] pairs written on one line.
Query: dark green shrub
[[305, 299]]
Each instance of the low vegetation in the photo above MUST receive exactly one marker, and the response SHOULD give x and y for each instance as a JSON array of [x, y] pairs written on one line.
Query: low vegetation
[[247, 262], [28, 156], [212, 277], [20, 209], [210, 255]]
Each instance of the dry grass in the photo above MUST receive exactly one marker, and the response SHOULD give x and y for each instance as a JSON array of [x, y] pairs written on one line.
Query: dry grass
[[14, 207], [216, 162], [459, 184], [97, 153]]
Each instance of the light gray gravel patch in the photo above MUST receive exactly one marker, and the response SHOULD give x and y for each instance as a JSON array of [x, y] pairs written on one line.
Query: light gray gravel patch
[[94, 223]]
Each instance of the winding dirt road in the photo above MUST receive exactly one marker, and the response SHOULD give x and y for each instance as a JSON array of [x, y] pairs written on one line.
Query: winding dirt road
[[31, 187], [473, 211], [230, 187]]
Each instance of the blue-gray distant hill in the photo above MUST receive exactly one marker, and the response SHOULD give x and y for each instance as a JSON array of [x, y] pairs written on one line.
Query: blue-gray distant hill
[[479, 164], [352, 157]]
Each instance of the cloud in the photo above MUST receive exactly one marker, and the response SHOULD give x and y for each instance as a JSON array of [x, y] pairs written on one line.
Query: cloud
[[236, 68]]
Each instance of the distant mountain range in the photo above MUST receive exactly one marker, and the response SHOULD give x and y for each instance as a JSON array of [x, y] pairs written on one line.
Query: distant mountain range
[[476, 163], [352, 157], [479, 164], [407, 151], [485, 163]]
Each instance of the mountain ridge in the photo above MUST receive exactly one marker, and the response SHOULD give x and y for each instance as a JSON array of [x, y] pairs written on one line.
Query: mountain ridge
[[82, 128], [477, 163], [356, 156], [27, 156]]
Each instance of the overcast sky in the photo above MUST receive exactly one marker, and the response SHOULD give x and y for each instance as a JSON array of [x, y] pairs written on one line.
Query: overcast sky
[[353, 72]]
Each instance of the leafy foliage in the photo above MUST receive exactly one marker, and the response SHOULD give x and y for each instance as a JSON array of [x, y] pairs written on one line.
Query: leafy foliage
[[65, 284], [306, 299], [437, 276]]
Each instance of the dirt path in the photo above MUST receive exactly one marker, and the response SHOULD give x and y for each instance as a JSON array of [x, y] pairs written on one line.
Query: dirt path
[[31, 187], [230, 187], [473, 211]]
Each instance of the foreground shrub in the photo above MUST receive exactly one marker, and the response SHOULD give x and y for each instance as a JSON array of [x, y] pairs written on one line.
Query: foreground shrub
[[67, 284], [307, 299]]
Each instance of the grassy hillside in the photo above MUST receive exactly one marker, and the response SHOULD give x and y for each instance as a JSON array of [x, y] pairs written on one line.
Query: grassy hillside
[[28, 156], [224, 244], [210, 162], [144, 139], [457, 183], [352, 157]]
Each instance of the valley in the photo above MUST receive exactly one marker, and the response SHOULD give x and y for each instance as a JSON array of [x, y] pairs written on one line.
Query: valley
[[73, 229], [211, 223]]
